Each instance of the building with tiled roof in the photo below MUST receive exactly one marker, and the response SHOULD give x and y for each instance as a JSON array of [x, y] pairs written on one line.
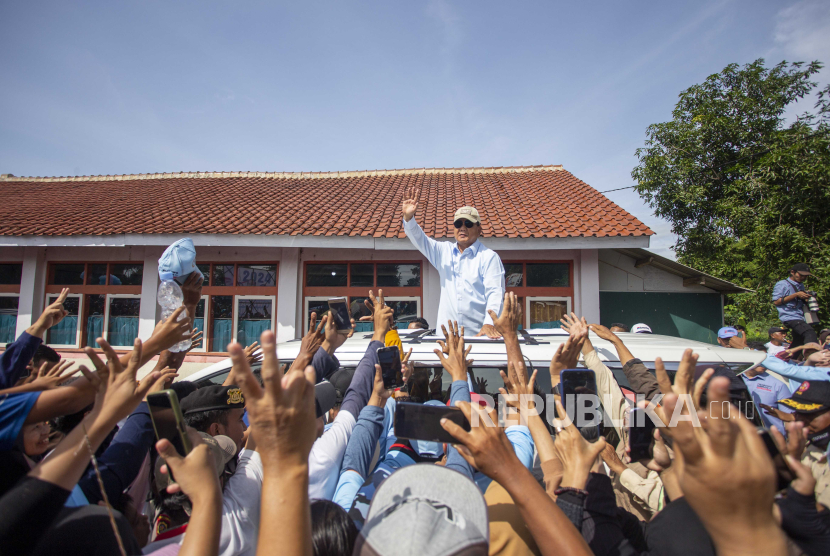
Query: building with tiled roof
[[273, 246]]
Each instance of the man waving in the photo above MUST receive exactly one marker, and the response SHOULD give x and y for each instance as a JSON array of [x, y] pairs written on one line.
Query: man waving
[[472, 276]]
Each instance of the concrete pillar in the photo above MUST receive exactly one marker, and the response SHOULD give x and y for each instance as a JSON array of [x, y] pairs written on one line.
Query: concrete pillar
[[432, 294], [589, 285], [149, 289], [32, 287], [289, 292]]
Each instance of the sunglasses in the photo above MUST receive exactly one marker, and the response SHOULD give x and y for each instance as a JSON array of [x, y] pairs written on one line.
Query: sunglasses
[[459, 223]]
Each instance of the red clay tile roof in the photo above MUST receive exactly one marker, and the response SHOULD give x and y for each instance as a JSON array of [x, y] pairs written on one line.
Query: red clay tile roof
[[538, 201]]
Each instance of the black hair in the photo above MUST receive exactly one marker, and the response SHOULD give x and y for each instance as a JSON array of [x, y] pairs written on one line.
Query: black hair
[[421, 321], [65, 423], [739, 395], [45, 353], [619, 325], [184, 388], [333, 533], [202, 420], [757, 346]]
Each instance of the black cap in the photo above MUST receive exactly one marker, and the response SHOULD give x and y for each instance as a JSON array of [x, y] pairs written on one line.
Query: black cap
[[811, 397], [801, 268], [324, 397], [209, 398], [775, 329], [341, 381]]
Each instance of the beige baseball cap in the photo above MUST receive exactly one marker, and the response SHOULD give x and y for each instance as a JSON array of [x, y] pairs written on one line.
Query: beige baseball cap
[[468, 213]]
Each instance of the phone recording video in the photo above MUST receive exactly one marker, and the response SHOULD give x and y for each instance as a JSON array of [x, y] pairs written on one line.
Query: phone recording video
[[423, 422], [640, 434], [340, 313], [782, 468], [168, 420], [578, 390], [389, 359]]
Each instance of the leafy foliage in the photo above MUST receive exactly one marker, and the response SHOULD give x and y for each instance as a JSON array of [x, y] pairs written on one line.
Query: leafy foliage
[[746, 194]]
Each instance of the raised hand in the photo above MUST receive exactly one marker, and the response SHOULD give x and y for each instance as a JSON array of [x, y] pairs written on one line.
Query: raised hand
[[310, 343], [567, 354], [519, 388], [195, 474], [576, 454], [410, 202], [50, 375], [728, 477], [603, 332], [485, 446], [250, 355], [510, 319], [382, 315], [51, 316], [166, 377], [335, 339], [281, 412], [455, 362], [379, 392], [119, 393], [171, 331], [192, 289], [195, 339]]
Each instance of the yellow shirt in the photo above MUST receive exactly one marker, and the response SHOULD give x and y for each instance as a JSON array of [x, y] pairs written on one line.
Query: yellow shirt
[[393, 339]]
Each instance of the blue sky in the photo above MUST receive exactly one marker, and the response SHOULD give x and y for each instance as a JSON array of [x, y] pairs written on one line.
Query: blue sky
[[160, 86]]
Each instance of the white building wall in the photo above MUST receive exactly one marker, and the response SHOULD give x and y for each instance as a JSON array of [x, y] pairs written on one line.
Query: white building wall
[[618, 274]]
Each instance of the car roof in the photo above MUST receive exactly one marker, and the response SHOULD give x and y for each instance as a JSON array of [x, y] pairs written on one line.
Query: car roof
[[538, 345]]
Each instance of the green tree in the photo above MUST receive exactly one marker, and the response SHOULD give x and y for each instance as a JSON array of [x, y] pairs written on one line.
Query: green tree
[[746, 194]]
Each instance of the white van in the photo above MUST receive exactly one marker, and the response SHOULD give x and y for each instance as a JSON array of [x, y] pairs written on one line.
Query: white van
[[538, 346]]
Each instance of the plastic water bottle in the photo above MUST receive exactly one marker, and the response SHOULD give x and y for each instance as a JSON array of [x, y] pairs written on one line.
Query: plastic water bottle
[[170, 298]]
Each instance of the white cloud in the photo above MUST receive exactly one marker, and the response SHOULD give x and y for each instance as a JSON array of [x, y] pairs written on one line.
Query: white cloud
[[803, 30]]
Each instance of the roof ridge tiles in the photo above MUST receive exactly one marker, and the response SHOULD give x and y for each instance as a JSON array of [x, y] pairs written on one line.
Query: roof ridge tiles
[[286, 175]]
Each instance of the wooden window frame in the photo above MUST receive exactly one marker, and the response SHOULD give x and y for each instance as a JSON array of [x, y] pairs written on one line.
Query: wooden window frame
[[78, 332], [320, 293], [12, 288], [209, 290], [106, 331], [11, 294], [526, 292], [90, 289]]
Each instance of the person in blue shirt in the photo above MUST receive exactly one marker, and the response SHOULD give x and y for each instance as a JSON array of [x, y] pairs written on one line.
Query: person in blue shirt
[[766, 390], [472, 276], [789, 296]]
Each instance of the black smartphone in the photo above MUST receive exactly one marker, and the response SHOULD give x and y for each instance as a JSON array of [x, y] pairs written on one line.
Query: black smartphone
[[782, 468], [339, 311], [423, 422], [168, 421], [578, 390], [640, 434], [389, 359]]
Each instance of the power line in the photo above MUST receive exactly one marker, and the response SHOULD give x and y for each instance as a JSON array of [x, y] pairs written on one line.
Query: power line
[[619, 189]]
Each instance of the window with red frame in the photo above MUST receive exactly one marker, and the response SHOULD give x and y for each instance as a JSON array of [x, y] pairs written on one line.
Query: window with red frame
[[399, 280], [545, 290], [239, 302]]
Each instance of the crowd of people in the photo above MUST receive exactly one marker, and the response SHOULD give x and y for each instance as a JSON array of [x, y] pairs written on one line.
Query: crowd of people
[[303, 459]]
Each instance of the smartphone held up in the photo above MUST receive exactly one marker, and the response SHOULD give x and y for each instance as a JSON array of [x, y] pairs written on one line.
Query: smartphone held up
[[578, 390], [339, 311], [389, 359], [168, 421], [416, 421]]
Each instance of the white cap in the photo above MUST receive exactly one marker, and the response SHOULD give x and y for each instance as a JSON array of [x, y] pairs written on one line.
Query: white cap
[[641, 328]]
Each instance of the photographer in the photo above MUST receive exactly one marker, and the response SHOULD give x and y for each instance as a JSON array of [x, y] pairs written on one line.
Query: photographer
[[789, 296]]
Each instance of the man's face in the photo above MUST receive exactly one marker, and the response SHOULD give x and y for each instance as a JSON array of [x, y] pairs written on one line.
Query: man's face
[[779, 336], [466, 236], [235, 429], [724, 342], [814, 422], [797, 276]]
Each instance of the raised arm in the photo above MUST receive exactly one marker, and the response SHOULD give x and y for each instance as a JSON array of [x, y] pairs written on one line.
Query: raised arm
[[487, 449], [455, 362], [428, 247]]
